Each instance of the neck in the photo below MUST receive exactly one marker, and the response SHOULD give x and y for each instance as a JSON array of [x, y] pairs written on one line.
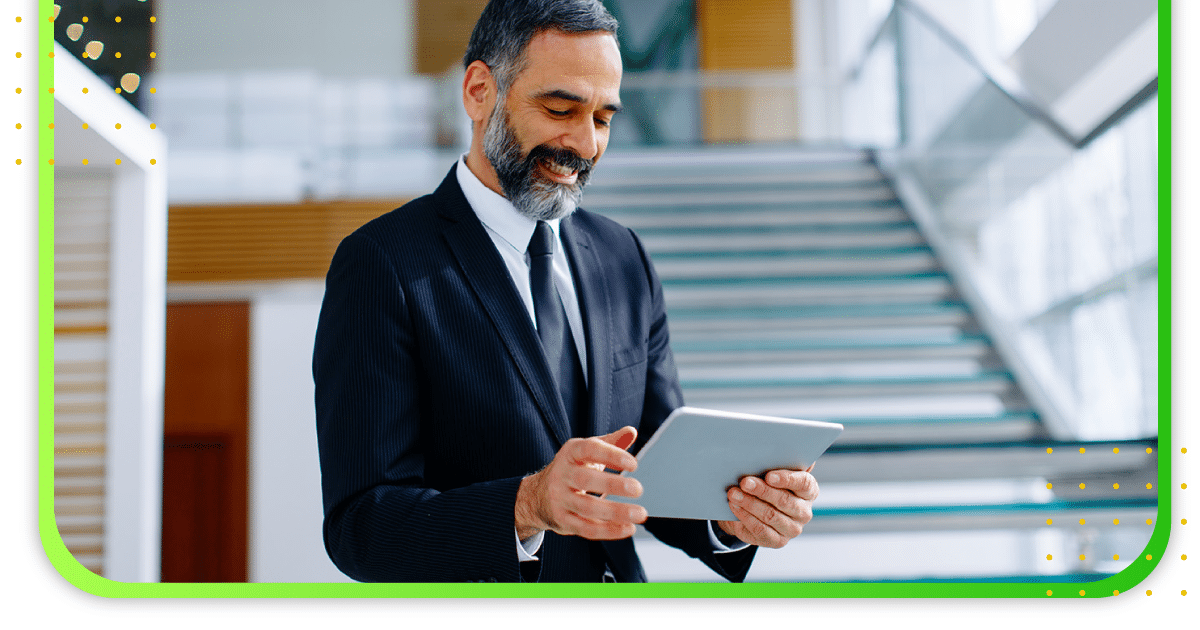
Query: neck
[[481, 167]]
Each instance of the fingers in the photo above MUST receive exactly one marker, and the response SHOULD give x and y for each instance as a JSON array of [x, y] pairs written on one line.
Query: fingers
[[767, 522], [799, 482], [572, 497], [622, 438], [752, 530], [581, 452], [774, 509], [587, 478]]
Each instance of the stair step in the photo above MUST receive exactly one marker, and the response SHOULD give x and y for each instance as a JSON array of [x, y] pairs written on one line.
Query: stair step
[[836, 370], [750, 266], [703, 392], [838, 175], [780, 351], [994, 461], [974, 516], [742, 217], [1003, 427], [690, 199], [801, 291], [659, 241], [712, 319]]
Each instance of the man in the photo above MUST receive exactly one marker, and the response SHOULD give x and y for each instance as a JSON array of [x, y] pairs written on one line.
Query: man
[[485, 352]]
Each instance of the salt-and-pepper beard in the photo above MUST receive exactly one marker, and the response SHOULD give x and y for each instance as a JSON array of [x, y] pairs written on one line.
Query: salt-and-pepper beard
[[527, 189]]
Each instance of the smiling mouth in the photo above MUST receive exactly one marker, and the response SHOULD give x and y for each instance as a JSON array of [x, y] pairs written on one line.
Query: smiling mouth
[[559, 173]]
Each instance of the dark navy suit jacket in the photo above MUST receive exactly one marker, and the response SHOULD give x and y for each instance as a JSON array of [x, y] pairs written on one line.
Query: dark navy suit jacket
[[434, 398]]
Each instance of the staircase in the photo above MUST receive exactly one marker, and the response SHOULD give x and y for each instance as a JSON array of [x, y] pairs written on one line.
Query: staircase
[[797, 285]]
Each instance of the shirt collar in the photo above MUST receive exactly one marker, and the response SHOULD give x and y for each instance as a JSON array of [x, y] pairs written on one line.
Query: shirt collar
[[496, 212]]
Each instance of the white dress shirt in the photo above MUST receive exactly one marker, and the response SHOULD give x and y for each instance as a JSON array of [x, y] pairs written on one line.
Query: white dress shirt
[[510, 231]]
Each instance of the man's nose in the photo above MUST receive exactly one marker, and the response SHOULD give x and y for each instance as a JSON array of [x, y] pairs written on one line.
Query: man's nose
[[582, 139]]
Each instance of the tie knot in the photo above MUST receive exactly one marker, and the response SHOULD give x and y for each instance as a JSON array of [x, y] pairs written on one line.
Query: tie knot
[[542, 243]]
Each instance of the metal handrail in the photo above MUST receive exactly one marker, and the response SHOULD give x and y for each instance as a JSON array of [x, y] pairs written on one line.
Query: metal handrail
[[1001, 77]]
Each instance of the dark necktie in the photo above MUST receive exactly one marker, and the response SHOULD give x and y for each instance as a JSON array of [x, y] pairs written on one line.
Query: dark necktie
[[553, 330]]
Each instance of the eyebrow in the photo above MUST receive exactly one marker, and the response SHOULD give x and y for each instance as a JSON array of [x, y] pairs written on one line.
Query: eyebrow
[[575, 98]]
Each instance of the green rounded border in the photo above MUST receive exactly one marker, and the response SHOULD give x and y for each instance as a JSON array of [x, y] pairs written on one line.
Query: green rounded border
[[84, 579]]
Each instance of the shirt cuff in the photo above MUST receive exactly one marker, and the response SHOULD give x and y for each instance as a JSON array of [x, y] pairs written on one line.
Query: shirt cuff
[[526, 548], [718, 546]]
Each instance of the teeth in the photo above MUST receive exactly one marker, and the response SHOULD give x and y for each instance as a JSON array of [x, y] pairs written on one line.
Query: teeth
[[558, 169]]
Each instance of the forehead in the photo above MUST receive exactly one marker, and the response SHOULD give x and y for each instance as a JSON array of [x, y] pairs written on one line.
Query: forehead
[[583, 63]]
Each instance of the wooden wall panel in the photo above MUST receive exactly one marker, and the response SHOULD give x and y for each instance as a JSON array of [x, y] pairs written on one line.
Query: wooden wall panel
[[232, 243], [747, 36], [443, 30]]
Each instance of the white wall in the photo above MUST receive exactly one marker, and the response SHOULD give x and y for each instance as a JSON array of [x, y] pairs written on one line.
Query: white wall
[[285, 478], [335, 38]]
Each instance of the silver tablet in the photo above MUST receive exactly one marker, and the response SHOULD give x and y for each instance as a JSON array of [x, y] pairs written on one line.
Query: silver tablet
[[698, 454]]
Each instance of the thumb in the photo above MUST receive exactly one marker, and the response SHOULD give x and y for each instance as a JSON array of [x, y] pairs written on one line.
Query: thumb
[[622, 438]]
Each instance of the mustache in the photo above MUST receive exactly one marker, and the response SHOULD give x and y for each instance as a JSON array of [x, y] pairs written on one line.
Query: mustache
[[560, 156]]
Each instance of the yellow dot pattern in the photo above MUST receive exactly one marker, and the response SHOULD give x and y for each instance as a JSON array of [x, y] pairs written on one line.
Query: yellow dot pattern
[[85, 161], [1082, 593], [118, 162]]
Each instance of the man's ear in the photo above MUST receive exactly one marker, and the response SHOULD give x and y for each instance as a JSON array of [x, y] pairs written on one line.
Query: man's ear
[[479, 91]]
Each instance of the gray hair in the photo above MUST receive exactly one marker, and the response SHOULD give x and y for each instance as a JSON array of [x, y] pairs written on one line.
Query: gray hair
[[505, 27]]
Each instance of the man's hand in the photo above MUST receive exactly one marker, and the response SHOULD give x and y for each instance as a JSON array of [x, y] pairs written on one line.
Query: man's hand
[[771, 509], [556, 498]]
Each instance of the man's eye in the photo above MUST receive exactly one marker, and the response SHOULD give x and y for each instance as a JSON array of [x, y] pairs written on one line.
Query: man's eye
[[557, 112], [602, 122]]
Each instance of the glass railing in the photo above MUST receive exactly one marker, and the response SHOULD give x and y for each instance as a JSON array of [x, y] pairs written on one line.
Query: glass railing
[[1051, 233]]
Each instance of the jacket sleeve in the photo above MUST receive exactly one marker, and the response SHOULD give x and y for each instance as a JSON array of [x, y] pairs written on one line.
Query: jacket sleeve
[[664, 395], [382, 523]]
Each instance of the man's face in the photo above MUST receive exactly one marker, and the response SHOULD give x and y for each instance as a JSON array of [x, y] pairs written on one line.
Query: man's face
[[546, 135]]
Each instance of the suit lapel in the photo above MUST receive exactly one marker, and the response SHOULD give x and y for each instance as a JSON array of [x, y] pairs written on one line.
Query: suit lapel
[[488, 277], [592, 289]]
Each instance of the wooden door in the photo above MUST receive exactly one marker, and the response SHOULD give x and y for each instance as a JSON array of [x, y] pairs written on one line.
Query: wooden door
[[205, 457]]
